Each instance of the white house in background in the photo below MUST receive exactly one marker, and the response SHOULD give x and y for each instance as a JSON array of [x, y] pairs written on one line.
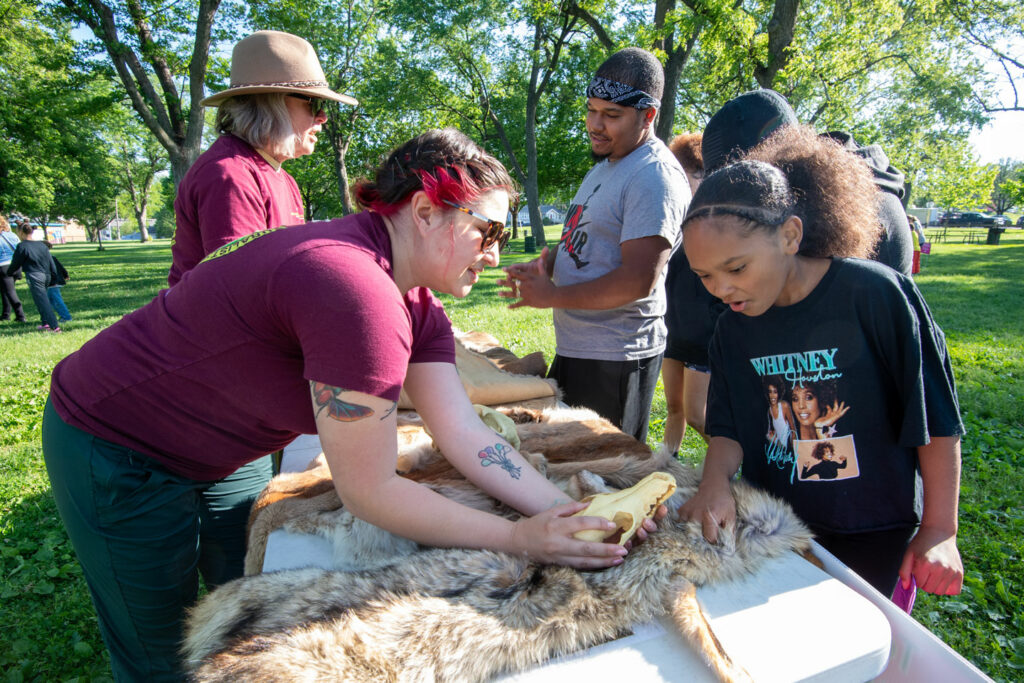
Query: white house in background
[[548, 211]]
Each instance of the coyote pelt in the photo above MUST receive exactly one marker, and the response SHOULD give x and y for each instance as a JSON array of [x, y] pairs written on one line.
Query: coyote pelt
[[465, 615], [402, 613], [557, 442]]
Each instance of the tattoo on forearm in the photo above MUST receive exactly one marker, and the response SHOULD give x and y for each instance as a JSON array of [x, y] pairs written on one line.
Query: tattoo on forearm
[[496, 455], [394, 404], [326, 397]]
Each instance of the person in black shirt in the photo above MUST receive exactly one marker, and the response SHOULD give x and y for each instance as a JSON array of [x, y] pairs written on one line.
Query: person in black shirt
[[34, 259], [782, 237]]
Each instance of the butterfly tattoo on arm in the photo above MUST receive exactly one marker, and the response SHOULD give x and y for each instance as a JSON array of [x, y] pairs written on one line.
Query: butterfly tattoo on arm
[[325, 397]]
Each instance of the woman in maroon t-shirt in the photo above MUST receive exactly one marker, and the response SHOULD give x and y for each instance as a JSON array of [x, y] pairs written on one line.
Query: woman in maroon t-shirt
[[272, 112], [125, 492]]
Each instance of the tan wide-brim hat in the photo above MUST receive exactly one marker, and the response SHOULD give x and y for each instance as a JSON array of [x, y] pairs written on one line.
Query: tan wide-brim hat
[[274, 61]]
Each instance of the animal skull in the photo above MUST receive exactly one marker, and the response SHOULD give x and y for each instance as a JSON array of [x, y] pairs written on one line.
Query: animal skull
[[627, 508]]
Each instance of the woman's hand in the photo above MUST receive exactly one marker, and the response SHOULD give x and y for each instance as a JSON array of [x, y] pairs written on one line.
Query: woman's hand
[[933, 559], [713, 506], [832, 414], [547, 537]]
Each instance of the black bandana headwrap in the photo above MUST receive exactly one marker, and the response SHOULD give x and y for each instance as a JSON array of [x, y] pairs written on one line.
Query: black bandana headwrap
[[620, 93]]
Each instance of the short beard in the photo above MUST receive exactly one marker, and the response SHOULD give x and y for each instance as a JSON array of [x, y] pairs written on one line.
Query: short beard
[[598, 158]]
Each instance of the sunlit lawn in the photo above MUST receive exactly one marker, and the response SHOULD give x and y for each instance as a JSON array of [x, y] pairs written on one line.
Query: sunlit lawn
[[974, 290]]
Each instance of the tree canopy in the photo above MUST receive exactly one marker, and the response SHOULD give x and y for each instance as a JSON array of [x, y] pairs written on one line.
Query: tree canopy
[[915, 76]]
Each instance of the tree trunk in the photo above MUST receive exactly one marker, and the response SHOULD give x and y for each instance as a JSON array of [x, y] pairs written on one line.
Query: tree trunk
[[153, 89], [531, 186], [340, 143], [140, 218], [678, 56], [181, 160], [342, 170], [780, 37]]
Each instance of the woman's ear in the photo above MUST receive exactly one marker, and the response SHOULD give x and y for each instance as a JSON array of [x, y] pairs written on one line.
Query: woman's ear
[[791, 233], [424, 213]]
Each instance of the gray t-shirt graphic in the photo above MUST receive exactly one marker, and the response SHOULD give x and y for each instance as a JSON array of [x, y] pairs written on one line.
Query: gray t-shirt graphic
[[641, 195]]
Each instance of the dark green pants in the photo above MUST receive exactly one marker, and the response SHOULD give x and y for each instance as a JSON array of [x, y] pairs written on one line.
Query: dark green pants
[[143, 535]]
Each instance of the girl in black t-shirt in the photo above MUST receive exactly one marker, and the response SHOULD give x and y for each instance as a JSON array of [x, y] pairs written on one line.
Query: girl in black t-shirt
[[778, 237]]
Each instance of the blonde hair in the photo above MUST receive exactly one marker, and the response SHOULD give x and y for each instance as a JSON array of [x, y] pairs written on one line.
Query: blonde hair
[[262, 120], [4, 225]]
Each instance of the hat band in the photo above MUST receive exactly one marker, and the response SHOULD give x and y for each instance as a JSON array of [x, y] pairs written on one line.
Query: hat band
[[620, 93], [284, 84]]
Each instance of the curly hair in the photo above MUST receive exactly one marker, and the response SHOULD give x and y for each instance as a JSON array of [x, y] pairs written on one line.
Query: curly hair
[[819, 449], [796, 173], [687, 149], [446, 164]]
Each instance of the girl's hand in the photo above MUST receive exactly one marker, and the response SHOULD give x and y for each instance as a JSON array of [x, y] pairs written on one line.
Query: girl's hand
[[832, 413], [547, 537], [932, 557], [713, 506], [648, 527]]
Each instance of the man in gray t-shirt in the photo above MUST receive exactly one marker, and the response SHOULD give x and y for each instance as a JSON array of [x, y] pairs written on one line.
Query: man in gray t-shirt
[[605, 278]]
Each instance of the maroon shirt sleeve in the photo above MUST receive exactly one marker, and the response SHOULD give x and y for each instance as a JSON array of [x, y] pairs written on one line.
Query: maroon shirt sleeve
[[356, 330]]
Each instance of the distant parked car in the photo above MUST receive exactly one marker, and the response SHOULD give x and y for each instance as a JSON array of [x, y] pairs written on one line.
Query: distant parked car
[[1020, 221], [973, 218]]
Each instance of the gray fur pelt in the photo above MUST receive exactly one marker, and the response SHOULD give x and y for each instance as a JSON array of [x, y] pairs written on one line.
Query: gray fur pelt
[[467, 615]]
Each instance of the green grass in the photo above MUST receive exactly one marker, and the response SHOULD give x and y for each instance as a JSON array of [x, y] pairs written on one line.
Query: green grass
[[50, 629]]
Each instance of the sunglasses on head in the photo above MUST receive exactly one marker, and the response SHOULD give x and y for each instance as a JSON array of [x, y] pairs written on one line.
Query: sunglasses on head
[[495, 232], [317, 105]]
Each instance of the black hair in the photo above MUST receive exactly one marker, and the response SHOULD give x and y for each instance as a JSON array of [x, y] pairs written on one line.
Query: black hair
[[742, 123], [778, 383], [636, 67], [825, 391], [796, 173]]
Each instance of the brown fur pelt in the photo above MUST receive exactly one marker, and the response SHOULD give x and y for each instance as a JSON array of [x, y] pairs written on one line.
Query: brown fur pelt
[[467, 615]]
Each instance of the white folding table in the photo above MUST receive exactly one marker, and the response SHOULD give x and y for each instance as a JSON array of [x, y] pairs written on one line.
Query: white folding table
[[789, 621]]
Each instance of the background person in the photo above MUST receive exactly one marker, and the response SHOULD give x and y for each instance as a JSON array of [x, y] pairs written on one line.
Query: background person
[[776, 237], [8, 294], [34, 259], [917, 234], [895, 245], [337, 317], [690, 318], [605, 279], [272, 112], [53, 291], [692, 311]]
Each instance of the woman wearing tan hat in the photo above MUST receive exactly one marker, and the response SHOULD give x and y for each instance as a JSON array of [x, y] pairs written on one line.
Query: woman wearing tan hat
[[272, 112]]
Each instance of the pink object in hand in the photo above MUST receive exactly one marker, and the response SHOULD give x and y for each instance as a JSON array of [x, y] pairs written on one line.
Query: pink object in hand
[[904, 597]]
